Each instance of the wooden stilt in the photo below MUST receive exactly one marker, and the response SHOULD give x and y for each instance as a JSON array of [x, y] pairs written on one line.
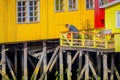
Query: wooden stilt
[[15, 61], [10, 68], [117, 73], [52, 65], [3, 60], [98, 59], [69, 73], [86, 66], [80, 61], [35, 73], [4, 77], [31, 62], [61, 64], [93, 70], [22, 65], [105, 69], [81, 73], [112, 67], [45, 58], [56, 65], [25, 62], [76, 54], [50, 62]]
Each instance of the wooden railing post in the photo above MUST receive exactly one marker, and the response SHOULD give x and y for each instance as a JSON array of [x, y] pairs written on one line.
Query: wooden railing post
[[106, 41], [83, 39], [94, 41], [72, 38]]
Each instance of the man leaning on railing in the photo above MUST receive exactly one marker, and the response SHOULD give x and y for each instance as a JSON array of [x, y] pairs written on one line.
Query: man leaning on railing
[[73, 29]]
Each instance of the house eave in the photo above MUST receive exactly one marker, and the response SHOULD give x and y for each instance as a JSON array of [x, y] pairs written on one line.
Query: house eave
[[110, 4]]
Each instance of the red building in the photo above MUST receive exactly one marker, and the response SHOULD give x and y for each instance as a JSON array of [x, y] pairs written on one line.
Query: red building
[[100, 13]]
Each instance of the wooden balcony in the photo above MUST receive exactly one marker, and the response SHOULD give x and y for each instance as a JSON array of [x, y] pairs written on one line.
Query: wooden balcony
[[88, 39]]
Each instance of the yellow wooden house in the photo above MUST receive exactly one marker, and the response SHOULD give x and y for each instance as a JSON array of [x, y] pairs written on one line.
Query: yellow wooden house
[[30, 20], [112, 20]]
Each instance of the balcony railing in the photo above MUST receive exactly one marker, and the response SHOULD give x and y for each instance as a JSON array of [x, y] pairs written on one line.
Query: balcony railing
[[88, 39]]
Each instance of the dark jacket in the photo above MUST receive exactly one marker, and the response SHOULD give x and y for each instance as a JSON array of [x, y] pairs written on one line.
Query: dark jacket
[[73, 29]]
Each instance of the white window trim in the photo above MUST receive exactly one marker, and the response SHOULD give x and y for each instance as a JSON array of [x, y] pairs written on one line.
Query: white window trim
[[27, 19], [117, 26], [59, 6], [73, 9]]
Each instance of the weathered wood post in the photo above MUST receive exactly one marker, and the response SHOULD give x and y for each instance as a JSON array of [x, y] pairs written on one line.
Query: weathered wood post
[[45, 58], [112, 67], [80, 61], [15, 58], [61, 64], [9, 63], [105, 67], [25, 62], [98, 59], [69, 73], [86, 66], [3, 60]]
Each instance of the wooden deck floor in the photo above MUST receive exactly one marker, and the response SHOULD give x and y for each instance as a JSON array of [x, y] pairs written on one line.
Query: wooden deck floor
[[110, 50]]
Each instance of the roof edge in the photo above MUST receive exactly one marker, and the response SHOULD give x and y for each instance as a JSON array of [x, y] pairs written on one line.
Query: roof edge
[[110, 4]]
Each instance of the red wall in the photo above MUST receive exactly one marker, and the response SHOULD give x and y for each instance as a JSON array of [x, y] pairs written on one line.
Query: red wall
[[99, 16]]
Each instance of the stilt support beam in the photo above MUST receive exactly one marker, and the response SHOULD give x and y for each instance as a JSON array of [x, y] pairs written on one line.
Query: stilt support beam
[[61, 64], [3, 60], [69, 73], [86, 66], [25, 62], [105, 67], [44, 58], [98, 59]]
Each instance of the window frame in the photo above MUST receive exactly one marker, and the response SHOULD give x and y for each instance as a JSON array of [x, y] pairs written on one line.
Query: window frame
[[89, 8], [72, 9], [28, 11], [117, 19], [59, 5]]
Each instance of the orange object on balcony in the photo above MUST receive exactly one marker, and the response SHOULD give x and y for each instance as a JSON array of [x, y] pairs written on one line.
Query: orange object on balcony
[[68, 35]]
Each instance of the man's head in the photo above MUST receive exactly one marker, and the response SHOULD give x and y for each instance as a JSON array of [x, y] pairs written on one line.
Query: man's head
[[67, 25]]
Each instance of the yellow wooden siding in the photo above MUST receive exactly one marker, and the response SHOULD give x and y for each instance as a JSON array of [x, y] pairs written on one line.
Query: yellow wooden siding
[[86, 14], [15, 32], [110, 23], [117, 42], [110, 18], [50, 25], [1, 21], [57, 20]]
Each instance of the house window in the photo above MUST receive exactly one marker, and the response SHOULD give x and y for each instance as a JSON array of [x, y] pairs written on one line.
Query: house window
[[89, 4], [27, 11], [59, 5], [73, 4], [118, 19]]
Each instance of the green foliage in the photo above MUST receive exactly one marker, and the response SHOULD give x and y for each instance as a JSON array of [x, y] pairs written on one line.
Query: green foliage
[[57, 75], [22, 77], [66, 70]]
